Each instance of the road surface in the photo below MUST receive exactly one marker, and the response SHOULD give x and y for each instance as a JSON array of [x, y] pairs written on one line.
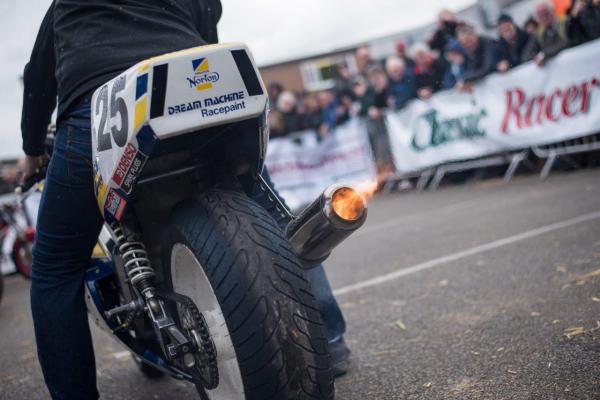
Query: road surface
[[486, 291]]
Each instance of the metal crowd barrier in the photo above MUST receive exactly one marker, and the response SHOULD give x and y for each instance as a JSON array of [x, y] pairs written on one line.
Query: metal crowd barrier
[[563, 149], [512, 159], [431, 178]]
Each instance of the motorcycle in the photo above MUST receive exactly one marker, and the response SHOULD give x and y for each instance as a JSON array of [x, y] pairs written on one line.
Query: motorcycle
[[16, 216], [193, 276]]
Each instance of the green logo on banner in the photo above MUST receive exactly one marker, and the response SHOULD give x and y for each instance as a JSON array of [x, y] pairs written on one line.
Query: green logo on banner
[[431, 131]]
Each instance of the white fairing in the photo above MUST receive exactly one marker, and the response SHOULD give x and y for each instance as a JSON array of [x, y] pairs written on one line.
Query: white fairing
[[172, 94]]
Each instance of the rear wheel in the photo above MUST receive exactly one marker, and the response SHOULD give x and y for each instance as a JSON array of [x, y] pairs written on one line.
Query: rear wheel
[[228, 255]]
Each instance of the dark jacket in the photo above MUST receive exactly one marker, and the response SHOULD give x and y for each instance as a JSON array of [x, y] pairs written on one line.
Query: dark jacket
[[82, 44], [432, 76], [548, 41], [454, 73], [402, 91], [291, 121], [442, 35], [513, 53], [482, 61], [584, 27]]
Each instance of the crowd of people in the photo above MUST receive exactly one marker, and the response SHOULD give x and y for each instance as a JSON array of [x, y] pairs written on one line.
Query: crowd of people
[[455, 56]]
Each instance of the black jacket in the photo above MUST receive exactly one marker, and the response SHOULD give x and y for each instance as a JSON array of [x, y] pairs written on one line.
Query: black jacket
[[431, 77], [513, 53], [482, 61], [82, 44], [584, 27]]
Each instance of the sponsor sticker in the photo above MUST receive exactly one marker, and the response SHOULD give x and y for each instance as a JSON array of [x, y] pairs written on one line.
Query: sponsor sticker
[[114, 204], [134, 171], [185, 107], [203, 77], [124, 163]]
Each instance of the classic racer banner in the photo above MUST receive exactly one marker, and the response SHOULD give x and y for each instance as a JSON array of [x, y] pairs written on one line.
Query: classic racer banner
[[302, 167], [525, 107]]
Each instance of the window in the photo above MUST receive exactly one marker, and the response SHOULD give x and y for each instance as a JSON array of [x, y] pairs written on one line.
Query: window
[[320, 74]]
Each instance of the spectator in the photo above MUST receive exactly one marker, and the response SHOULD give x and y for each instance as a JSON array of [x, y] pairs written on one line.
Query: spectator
[[455, 56], [274, 90], [530, 26], [343, 82], [376, 128], [329, 109], [401, 53], [584, 23], [550, 37], [364, 95], [429, 70], [310, 116], [276, 124], [379, 84], [481, 55], [446, 30], [345, 108], [364, 59], [511, 44], [286, 105], [401, 87]]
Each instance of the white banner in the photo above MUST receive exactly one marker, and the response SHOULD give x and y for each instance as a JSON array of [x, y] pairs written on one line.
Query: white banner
[[302, 167], [525, 107]]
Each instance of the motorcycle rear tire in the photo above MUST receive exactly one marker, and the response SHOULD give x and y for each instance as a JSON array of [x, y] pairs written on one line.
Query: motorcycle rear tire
[[265, 298]]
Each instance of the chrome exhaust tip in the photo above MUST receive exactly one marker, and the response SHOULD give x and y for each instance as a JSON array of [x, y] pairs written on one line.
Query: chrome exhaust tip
[[329, 220]]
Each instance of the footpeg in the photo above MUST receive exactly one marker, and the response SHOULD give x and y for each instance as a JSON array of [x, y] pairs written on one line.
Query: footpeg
[[136, 306]]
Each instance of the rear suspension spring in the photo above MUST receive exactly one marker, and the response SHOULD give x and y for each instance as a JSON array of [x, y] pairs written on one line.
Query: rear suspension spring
[[137, 264]]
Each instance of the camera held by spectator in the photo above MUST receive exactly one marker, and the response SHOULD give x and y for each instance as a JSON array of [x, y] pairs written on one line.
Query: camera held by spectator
[[446, 30]]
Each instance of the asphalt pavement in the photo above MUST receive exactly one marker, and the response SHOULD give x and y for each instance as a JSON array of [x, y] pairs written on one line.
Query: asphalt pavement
[[482, 291]]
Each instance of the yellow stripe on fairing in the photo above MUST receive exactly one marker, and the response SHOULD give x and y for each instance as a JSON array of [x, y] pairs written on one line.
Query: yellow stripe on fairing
[[144, 66], [204, 86], [140, 114]]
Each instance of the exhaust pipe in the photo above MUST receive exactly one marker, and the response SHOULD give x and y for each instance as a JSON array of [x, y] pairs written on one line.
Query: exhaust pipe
[[328, 221]]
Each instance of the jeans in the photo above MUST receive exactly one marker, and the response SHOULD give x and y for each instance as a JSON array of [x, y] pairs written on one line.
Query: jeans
[[67, 229]]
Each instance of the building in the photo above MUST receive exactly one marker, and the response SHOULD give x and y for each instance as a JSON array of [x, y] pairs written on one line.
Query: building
[[317, 72]]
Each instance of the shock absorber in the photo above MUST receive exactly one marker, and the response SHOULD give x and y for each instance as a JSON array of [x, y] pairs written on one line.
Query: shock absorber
[[137, 264]]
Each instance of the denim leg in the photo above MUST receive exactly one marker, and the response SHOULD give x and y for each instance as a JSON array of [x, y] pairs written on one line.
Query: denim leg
[[330, 310], [68, 225]]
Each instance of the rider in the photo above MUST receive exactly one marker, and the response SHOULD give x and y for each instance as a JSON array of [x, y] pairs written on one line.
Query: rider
[[81, 45]]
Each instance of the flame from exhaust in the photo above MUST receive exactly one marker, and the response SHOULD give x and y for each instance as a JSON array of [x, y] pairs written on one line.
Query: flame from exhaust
[[367, 188], [348, 203]]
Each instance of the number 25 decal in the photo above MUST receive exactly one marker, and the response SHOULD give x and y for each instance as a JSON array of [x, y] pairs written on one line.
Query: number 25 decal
[[117, 106]]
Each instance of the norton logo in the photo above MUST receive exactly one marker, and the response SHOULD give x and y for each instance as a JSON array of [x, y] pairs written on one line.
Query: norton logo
[[203, 79]]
